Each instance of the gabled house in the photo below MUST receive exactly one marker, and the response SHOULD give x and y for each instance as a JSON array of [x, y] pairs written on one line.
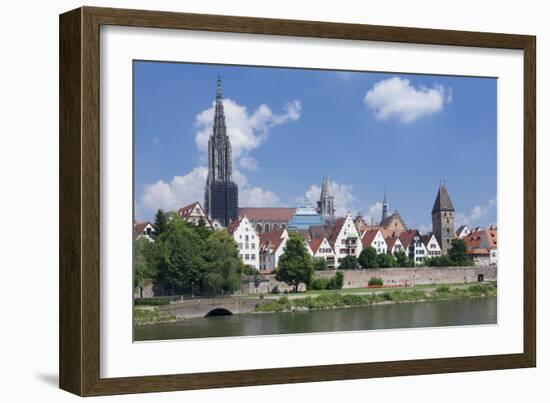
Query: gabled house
[[394, 245], [481, 246], [393, 224], [320, 247], [414, 247], [462, 231], [272, 245], [248, 241], [144, 230], [345, 239], [431, 244], [374, 238], [194, 213]]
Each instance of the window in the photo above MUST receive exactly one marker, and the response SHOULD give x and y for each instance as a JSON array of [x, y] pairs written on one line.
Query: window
[[253, 245], [247, 257], [246, 238], [253, 256], [247, 246]]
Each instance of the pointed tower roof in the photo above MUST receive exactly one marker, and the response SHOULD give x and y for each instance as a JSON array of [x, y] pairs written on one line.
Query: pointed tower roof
[[325, 188], [442, 201], [219, 116]]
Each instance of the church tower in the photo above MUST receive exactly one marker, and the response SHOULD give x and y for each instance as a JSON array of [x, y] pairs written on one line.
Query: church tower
[[443, 219], [325, 205], [384, 208], [221, 194]]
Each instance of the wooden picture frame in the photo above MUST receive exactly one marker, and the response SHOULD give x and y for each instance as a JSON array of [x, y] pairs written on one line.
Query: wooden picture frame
[[79, 279]]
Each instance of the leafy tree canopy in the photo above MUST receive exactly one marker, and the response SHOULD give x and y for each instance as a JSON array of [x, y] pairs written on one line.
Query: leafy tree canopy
[[295, 264], [348, 263], [367, 258]]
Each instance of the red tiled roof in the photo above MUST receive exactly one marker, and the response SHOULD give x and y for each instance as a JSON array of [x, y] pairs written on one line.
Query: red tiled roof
[[368, 237], [140, 226], [478, 251], [267, 213], [390, 241], [315, 244], [271, 236], [336, 230], [233, 225], [481, 237], [406, 237]]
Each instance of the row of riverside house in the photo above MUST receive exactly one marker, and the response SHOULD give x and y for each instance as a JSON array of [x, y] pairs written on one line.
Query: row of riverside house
[[261, 246]]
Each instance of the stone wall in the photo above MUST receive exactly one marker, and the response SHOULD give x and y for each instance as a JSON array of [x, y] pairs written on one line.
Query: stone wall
[[407, 276], [402, 276]]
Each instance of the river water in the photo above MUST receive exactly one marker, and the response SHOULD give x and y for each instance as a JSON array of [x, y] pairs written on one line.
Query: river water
[[394, 316]]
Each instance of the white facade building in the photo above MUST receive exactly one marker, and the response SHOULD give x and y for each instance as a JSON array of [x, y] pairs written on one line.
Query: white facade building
[[431, 244], [345, 239], [414, 247], [394, 245], [248, 241], [144, 230], [320, 247], [374, 238], [272, 245]]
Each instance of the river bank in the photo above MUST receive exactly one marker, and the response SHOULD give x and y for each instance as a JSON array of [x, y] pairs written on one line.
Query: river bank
[[339, 300], [460, 312], [149, 315]]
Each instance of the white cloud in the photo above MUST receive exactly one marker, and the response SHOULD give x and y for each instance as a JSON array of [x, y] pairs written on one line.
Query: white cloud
[[374, 213], [396, 98], [247, 131], [181, 190], [344, 200], [478, 215], [257, 197], [248, 163]]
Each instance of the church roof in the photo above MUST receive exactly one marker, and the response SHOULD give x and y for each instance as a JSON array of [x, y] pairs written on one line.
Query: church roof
[[388, 220], [442, 201], [267, 213]]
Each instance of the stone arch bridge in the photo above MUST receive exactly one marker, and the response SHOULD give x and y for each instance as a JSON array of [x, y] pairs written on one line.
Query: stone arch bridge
[[202, 307]]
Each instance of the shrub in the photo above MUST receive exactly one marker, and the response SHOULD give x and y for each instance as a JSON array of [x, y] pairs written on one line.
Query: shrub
[[320, 284], [349, 262], [154, 301], [443, 289], [376, 281], [337, 282]]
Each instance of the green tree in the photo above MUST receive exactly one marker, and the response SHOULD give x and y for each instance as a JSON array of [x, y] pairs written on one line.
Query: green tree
[[319, 263], [384, 260], [439, 261], [144, 268], [402, 259], [295, 264], [348, 263], [367, 258], [337, 282], [160, 222], [457, 253], [223, 269], [178, 255]]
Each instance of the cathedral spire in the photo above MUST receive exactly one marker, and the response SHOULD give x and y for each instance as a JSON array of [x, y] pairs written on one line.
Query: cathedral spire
[[220, 130], [325, 205], [384, 207], [221, 195]]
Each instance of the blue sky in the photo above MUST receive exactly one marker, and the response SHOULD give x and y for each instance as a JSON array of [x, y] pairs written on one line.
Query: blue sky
[[369, 131]]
